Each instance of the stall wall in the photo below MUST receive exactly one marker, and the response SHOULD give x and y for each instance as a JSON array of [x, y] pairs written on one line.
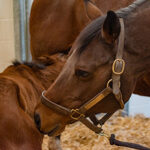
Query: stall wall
[[139, 105], [7, 50]]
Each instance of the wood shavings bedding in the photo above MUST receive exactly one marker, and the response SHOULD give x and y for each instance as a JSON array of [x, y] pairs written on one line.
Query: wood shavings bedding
[[129, 129]]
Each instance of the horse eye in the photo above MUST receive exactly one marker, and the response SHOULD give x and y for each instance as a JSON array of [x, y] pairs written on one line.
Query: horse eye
[[82, 73]]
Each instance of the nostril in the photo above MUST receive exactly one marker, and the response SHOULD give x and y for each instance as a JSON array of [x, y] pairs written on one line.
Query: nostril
[[37, 120]]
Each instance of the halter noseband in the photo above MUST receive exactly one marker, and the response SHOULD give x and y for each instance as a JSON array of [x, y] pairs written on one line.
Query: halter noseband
[[79, 114]]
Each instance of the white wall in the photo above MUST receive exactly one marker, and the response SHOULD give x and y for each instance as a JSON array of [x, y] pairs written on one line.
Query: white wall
[[7, 50], [139, 105]]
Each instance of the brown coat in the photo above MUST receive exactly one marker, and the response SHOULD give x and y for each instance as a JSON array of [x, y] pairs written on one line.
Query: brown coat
[[20, 87]]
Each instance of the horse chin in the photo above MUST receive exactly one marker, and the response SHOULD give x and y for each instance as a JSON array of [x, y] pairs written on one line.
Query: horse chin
[[56, 131]]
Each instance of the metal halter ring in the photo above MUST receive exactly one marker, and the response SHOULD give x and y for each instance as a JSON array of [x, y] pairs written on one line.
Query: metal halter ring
[[111, 81], [76, 115], [108, 83], [105, 135], [114, 64]]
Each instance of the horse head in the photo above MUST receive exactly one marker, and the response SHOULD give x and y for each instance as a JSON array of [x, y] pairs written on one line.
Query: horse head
[[95, 59]]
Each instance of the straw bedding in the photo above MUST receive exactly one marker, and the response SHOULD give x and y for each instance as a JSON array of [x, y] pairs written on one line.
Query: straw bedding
[[132, 129]]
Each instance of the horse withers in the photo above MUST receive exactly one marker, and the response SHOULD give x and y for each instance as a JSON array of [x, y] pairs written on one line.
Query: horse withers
[[89, 67]]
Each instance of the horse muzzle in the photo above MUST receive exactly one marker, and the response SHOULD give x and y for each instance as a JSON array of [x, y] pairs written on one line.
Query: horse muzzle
[[55, 131]]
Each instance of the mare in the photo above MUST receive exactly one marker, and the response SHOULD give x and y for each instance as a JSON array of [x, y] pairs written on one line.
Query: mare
[[89, 66], [50, 19], [55, 24], [20, 89]]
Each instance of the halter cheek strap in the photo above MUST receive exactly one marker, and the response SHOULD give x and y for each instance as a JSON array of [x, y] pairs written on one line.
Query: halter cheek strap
[[119, 66], [79, 114]]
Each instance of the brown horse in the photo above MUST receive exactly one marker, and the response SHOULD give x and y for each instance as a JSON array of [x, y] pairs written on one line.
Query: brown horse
[[89, 66], [105, 5], [55, 24], [47, 25], [20, 89]]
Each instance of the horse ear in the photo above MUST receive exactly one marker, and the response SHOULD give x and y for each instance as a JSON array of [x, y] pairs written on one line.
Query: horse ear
[[111, 27], [93, 11], [85, 11]]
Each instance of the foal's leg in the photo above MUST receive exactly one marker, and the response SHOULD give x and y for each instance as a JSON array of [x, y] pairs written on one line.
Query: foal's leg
[[54, 143]]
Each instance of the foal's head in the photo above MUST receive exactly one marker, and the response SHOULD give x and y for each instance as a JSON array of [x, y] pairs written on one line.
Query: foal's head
[[89, 68]]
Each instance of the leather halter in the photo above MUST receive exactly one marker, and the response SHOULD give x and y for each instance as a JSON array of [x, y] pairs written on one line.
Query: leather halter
[[79, 114]]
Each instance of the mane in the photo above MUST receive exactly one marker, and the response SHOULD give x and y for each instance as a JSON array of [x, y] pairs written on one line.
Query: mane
[[32, 65], [93, 29], [124, 12]]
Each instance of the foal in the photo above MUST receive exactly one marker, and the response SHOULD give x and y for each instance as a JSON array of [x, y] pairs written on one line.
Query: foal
[[20, 89]]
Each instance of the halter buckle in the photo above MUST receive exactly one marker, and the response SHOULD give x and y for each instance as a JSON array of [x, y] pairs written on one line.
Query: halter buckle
[[114, 64], [76, 115]]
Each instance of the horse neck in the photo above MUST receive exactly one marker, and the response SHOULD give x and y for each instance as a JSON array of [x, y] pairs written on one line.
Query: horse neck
[[137, 47], [106, 5], [21, 86], [8, 94], [48, 75], [49, 6]]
